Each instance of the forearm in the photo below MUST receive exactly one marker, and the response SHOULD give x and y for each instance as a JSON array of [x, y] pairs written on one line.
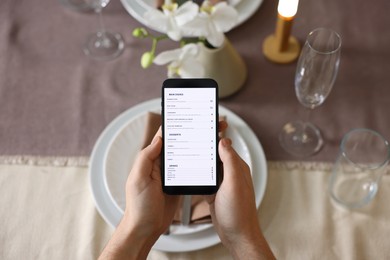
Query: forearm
[[128, 243], [253, 246]]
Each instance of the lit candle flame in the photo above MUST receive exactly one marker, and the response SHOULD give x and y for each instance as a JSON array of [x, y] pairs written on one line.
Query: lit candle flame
[[288, 8]]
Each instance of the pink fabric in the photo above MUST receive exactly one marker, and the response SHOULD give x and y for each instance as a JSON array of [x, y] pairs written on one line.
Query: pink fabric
[[56, 101]]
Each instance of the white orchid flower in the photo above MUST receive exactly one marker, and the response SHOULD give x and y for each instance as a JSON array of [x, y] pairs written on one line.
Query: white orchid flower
[[212, 22], [182, 62], [172, 18]]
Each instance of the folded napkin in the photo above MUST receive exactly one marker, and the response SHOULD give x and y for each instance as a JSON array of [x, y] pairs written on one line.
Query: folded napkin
[[200, 212]]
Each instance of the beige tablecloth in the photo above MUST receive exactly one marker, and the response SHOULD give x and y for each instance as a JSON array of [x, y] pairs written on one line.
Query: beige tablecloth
[[48, 213]]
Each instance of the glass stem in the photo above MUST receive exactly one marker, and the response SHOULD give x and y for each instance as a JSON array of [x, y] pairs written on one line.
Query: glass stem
[[102, 29], [307, 115], [305, 123]]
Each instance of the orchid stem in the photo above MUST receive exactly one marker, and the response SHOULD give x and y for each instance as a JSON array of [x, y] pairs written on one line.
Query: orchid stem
[[154, 45], [155, 41]]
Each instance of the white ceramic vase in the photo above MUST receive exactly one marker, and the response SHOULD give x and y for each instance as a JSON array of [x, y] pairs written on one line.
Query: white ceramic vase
[[225, 66]]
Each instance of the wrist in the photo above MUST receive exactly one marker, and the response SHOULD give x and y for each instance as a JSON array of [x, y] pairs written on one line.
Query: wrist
[[129, 242], [139, 239], [250, 245]]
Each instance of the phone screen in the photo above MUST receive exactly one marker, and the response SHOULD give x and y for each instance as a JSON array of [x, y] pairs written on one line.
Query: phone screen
[[190, 124]]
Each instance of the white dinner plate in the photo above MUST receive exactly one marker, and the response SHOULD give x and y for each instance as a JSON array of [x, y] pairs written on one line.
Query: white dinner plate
[[137, 8], [181, 241]]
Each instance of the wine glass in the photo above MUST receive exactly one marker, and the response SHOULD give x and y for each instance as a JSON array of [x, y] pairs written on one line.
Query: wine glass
[[103, 45], [314, 79]]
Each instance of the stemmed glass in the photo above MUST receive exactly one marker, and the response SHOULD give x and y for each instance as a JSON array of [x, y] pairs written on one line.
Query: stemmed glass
[[103, 45], [314, 79]]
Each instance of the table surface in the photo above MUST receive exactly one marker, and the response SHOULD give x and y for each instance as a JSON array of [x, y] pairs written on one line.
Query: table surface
[[55, 102]]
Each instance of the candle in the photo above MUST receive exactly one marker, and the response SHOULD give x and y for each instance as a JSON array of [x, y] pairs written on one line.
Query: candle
[[288, 8], [281, 47]]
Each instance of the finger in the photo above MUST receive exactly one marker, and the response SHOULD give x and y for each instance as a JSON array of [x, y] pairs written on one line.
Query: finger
[[222, 126], [232, 162], [146, 158], [228, 155], [236, 172], [158, 133], [153, 150]]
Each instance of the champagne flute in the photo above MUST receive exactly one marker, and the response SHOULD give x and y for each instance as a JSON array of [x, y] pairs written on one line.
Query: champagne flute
[[103, 45], [314, 79]]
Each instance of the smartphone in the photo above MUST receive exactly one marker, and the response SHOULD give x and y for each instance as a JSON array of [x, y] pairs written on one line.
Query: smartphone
[[189, 159]]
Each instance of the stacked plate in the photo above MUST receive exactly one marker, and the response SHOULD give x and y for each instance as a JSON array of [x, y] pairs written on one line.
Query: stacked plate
[[114, 154]]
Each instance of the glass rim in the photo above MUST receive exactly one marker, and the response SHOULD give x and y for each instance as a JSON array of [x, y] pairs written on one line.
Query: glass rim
[[385, 142], [324, 29]]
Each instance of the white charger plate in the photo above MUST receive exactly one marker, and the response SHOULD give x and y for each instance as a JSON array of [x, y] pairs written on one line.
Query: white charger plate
[[137, 8], [176, 242]]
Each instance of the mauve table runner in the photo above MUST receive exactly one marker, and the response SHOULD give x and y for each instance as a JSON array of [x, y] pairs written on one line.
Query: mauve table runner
[[54, 101]]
